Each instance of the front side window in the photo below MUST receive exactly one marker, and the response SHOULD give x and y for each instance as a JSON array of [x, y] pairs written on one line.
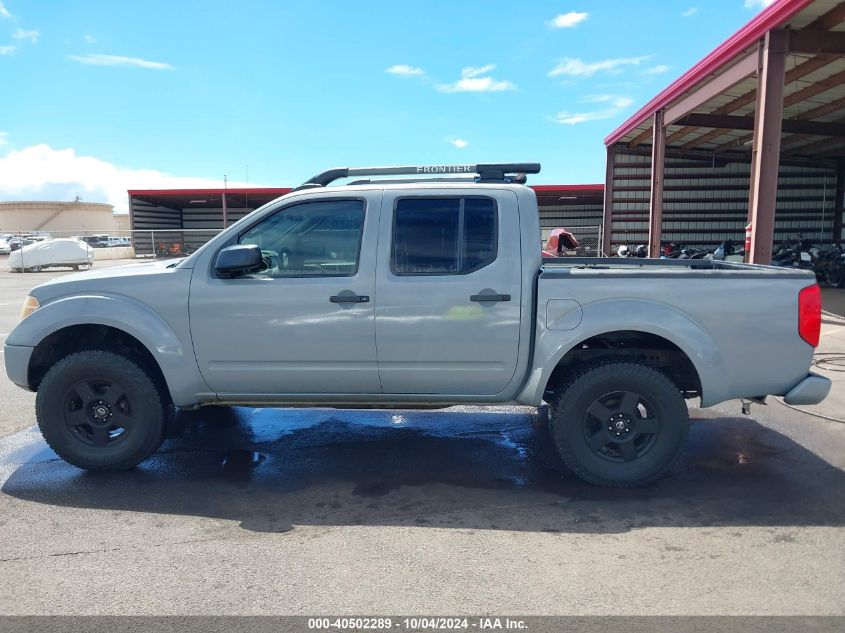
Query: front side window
[[312, 239], [443, 236]]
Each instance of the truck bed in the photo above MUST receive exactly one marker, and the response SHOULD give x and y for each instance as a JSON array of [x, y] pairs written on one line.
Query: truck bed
[[740, 332]]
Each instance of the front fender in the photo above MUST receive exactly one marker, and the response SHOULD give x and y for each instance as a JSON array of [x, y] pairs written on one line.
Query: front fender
[[174, 357], [640, 315]]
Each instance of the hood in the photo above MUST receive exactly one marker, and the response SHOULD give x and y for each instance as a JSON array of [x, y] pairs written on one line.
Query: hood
[[121, 280]]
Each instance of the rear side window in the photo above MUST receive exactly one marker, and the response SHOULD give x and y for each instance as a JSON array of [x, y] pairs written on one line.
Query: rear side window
[[443, 236]]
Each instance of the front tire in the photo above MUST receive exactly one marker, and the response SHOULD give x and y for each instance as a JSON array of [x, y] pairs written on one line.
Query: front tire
[[619, 424], [100, 411]]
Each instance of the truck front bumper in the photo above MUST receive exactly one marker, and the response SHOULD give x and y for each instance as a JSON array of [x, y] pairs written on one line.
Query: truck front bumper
[[17, 364], [812, 390]]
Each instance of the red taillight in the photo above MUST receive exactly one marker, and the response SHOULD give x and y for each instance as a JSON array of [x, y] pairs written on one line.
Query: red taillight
[[810, 314]]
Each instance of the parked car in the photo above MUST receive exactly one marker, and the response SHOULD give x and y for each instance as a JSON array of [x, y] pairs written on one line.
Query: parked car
[[96, 241], [5, 249], [413, 294], [51, 253]]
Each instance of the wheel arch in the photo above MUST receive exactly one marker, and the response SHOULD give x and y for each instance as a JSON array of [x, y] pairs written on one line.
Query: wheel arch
[[92, 336], [636, 346], [129, 323]]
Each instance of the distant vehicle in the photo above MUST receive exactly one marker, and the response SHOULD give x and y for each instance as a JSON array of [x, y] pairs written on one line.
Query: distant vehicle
[[96, 241], [119, 241], [560, 243], [5, 249], [42, 254], [19, 241], [413, 293]]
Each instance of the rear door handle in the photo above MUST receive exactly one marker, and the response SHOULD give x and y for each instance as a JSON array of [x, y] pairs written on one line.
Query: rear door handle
[[349, 299], [490, 297]]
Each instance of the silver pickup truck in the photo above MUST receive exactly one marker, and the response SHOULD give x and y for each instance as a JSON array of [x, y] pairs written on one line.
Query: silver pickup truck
[[413, 293]]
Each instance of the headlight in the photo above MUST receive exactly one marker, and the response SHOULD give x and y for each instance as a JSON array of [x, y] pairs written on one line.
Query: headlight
[[30, 305]]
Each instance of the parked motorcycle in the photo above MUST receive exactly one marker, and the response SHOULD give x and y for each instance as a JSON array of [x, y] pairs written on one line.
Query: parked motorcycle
[[830, 266], [795, 254]]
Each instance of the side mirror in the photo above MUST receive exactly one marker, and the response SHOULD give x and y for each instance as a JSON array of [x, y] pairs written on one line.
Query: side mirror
[[240, 259]]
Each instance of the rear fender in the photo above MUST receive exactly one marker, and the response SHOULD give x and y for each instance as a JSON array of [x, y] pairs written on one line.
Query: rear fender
[[614, 315]]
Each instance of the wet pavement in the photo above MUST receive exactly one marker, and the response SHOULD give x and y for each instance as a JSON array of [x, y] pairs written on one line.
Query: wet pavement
[[291, 511], [273, 469]]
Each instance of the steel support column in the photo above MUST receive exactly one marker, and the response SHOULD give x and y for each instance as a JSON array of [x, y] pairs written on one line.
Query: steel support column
[[765, 158], [658, 163], [607, 219], [839, 203]]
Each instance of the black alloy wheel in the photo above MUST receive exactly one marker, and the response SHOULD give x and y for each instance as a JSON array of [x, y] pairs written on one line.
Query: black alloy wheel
[[101, 411], [620, 426], [619, 423]]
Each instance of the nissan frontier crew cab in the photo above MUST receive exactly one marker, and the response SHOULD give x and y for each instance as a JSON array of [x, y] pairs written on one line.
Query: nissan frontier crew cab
[[413, 293]]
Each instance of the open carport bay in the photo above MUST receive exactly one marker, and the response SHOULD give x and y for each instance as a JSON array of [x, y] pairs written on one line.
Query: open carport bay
[[431, 512]]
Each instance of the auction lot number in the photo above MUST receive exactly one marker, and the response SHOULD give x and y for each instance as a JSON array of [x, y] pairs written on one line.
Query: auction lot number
[[434, 624]]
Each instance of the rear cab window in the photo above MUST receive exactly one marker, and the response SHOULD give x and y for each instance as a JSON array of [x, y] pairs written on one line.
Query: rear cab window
[[443, 235]]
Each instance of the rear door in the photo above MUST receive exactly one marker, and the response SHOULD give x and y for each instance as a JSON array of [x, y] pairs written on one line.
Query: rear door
[[448, 291]]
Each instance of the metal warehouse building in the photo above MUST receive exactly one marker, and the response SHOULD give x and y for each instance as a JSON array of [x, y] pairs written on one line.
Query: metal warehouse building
[[754, 132], [190, 217]]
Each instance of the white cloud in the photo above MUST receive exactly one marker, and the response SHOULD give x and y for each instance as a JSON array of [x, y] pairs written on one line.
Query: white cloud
[[4, 138], [21, 34], [757, 4], [475, 71], [403, 70], [7, 50], [458, 142], [40, 172], [472, 80], [615, 105], [567, 20], [657, 70], [4, 13], [119, 60], [598, 98], [574, 67], [89, 39], [689, 12]]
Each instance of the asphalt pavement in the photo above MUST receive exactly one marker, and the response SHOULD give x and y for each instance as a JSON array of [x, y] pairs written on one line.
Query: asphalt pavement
[[285, 511]]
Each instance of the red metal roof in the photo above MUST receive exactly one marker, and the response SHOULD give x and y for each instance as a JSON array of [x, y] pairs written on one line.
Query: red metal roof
[[553, 188], [770, 18], [199, 192]]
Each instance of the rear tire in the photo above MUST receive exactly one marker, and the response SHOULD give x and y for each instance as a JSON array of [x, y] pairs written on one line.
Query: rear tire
[[619, 424], [100, 411]]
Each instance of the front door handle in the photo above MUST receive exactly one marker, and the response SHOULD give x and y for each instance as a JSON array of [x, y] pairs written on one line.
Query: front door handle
[[490, 297], [349, 299]]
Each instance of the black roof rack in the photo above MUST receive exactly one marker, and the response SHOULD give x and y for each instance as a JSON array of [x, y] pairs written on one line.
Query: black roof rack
[[491, 172]]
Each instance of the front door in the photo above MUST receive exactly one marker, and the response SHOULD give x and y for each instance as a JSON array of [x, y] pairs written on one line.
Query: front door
[[448, 292], [305, 323]]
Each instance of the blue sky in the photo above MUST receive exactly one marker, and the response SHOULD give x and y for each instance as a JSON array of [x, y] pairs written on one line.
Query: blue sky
[[98, 96]]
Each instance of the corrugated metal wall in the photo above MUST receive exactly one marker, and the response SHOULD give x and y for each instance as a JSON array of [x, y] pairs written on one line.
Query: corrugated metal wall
[[570, 216], [147, 217], [191, 227], [706, 200], [578, 212]]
